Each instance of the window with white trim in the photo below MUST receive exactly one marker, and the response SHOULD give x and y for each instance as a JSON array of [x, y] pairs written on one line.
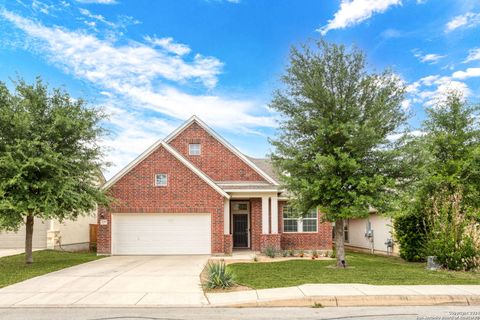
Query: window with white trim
[[346, 237], [161, 179], [294, 222], [194, 149]]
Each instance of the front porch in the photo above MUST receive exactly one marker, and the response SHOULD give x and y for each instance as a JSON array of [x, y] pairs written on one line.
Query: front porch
[[251, 221]]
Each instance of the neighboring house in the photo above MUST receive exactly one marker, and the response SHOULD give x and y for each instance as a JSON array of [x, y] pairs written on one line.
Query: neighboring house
[[194, 193], [70, 235], [373, 234], [52, 234]]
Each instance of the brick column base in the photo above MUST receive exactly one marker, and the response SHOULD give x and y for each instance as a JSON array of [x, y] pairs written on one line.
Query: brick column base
[[270, 240], [227, 244]]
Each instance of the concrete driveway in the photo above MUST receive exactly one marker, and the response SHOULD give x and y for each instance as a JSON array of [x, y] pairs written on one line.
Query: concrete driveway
[[115, 281]]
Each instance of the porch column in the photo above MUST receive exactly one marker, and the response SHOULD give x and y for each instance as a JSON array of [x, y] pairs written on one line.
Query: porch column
[[226, 216], [274, 207], [265, 220]]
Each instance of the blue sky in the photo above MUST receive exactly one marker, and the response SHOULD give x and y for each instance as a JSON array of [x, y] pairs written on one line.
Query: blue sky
[[153, 64]]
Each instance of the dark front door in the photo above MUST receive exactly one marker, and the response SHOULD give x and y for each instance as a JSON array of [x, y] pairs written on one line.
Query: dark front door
[[240, 230]]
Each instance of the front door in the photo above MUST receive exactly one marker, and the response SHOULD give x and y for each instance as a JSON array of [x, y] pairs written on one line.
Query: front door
[[240, 230], [241, 224]]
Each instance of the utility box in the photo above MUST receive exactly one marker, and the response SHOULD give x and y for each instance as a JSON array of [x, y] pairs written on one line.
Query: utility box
[[432, 263]]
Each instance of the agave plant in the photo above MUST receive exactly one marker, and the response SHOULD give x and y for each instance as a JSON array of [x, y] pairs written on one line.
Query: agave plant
[[219, 276]]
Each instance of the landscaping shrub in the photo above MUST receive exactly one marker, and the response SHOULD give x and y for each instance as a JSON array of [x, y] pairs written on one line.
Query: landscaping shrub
[[410, 234], [270, 251], [219, 276], [454, 235]]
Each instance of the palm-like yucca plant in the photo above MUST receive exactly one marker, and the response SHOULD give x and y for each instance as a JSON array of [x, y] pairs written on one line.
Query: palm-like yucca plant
[[219, 276]]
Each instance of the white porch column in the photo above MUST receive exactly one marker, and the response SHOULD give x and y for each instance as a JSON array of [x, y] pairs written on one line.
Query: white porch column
[[274, 207], [265, 220], [226, 216]]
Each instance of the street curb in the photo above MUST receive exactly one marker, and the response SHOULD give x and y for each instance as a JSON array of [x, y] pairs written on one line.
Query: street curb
[[364, 301], [316, 301]]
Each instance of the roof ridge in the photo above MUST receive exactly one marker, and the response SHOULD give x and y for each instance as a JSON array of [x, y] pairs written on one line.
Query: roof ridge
[[227, 144]]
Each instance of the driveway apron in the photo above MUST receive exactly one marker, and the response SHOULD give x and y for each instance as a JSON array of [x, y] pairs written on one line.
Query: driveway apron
[[114, 281]]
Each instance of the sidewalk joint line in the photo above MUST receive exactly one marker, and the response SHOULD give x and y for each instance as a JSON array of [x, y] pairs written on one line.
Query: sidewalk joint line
[[141, 298], [303, 293]]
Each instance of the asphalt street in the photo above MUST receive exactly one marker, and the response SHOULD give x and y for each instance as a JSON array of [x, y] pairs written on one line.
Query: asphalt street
[[417, 313]]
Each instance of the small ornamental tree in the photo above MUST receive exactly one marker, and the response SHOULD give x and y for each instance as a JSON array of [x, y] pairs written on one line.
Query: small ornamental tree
[[50, 158], [332, 146]]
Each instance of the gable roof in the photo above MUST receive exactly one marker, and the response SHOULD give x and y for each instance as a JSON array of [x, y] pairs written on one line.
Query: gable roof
[[266, 165], [178, 156], [225, 143]]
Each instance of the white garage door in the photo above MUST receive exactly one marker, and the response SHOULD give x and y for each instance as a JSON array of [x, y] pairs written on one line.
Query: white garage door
[[161, 234]]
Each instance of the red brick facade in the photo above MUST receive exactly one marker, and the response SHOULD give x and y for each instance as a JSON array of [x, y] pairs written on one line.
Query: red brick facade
[[186, 192], [216, 161], [322, 239], [255, 222], [271, 241], [136, 193]]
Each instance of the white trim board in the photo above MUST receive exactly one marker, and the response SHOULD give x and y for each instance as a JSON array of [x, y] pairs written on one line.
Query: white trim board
[[224, 142], [178, 156]]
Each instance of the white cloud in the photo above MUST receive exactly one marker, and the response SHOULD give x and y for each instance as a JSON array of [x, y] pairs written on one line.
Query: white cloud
[[414, 133], [469, 73], [132, 134], [101, 60], [98, 1], [144, 81], [352, 12], [473, 55], [406, 104], [98, 17], [467, 20], [41, 7], [431, 89], [431, 58], [169, 44]]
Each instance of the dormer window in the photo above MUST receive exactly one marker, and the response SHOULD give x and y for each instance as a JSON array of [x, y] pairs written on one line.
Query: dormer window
[[194, 149], [161, 179]]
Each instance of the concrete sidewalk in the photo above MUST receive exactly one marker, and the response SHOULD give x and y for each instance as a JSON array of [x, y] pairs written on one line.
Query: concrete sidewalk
[[342, 295], [13, 252]]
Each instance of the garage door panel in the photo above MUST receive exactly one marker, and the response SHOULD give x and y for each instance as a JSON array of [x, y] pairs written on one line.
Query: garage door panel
[[161, 234]]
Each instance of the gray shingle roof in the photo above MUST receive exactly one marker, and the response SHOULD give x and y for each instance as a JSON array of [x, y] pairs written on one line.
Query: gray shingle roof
[[265, 165]]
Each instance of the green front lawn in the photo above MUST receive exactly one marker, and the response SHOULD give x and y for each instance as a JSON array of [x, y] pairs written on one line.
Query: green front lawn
[[13, 268], [363, 268]]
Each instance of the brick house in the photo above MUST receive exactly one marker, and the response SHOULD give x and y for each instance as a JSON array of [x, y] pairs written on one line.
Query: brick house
[[194, 193]]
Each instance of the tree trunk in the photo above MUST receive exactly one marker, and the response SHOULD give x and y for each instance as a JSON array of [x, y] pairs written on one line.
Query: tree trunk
[[28, 239], [339, 244]]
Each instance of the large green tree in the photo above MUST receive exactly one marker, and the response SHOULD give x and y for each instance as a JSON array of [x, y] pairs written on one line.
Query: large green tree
[[50, 157], [335, 120]]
